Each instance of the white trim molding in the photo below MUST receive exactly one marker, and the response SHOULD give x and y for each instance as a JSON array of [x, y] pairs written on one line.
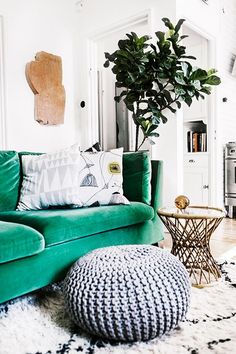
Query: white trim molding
[[2, 90], [143, 17]]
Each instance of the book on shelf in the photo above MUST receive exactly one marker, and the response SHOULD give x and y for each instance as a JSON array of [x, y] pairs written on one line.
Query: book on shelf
[[189, 141], [204, 142], [196, 141]]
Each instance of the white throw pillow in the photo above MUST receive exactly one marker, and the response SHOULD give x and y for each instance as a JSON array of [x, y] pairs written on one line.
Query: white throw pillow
[[73, 178], [101, 178], [50, 179]]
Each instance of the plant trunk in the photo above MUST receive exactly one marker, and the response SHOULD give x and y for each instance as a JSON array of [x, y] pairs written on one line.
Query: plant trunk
[[142, 143], [136, 137]]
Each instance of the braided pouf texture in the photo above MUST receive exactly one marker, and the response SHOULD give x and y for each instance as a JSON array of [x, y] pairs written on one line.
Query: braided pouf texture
[[127, 293]]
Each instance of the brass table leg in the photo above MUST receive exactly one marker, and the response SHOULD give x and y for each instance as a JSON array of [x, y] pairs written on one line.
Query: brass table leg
[[191, 239]]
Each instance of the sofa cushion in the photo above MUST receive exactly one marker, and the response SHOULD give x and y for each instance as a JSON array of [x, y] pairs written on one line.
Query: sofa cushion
[[66, 224], [137, 176], [9, 180], [100, 178], [49, 179], [18, 241]]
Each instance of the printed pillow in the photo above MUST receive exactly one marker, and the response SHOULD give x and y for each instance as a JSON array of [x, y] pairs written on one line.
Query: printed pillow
[[50, 179], [101, 178]]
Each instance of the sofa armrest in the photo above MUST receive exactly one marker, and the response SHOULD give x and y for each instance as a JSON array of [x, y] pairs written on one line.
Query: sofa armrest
[[156, 184]]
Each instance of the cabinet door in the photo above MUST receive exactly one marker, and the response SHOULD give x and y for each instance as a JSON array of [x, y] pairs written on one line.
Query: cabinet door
[[196, 185]]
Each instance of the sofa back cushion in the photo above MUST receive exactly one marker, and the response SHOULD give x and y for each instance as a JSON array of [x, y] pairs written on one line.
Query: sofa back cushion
[[137, 176], [9, 179]]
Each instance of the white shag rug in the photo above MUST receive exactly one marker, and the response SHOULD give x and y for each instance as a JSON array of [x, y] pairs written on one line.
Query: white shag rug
[[39, 324]]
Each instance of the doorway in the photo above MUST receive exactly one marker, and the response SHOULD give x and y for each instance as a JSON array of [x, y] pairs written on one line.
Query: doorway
[[113, 123]]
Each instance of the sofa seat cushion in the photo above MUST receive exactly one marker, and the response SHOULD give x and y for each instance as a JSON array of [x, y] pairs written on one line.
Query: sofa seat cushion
[[60, 225], [18, 241]]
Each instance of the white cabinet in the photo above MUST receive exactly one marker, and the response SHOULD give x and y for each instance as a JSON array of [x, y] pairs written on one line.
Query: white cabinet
[[196, 185]]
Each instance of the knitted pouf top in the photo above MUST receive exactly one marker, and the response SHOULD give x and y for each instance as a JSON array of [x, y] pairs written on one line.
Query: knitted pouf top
[[127, 293]]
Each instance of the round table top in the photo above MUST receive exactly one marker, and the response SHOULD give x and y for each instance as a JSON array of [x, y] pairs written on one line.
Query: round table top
[[193, 212]]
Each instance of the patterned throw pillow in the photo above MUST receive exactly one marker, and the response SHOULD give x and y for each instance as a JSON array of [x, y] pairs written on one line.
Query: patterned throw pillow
[[50, 179], [95, 147], [72, 178], [101, 178]]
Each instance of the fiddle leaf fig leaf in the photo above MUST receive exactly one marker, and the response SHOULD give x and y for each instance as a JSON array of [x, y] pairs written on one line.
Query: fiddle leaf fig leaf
[[106, 64], [178, 104], [197, 84], [188, 100], [108, 56], [167, 95], [119, 84], [184, 36], [213, 80], [161, 36], [179, 78], [211, 72], [189, 57], [164, 119], [168, 23], [199, 74], [206, 89], [156, 135], [173, 110], [180, 91], [117, 98], [179, 24]]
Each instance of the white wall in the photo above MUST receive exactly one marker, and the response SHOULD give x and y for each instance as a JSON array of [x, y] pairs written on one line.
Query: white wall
[[30, 27], [205, 16], [227, 110]]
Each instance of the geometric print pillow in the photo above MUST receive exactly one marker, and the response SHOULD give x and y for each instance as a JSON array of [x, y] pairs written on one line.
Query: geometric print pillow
[[68, 178], [49, 179], [101, 178], [95, 147]]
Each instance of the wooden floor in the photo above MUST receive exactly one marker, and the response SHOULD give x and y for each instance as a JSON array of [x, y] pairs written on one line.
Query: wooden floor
[[223, 241]]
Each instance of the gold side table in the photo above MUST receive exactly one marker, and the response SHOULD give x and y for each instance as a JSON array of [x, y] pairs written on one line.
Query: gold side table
[[191, 230]]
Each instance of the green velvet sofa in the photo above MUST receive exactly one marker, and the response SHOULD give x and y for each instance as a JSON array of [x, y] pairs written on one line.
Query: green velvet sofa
[[38, 247]]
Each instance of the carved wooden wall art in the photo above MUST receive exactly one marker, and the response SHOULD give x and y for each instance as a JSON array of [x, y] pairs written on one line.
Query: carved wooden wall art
[[44, 76]]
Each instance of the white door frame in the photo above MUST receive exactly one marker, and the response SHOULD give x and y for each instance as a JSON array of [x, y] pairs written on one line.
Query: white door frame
[[96, 102], [212, 121], [2, 90]]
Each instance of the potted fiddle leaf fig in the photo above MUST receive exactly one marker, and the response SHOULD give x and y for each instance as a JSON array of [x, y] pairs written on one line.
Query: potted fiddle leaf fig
[[157, 77]]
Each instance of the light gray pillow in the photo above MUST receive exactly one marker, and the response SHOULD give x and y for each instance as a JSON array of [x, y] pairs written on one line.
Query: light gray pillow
[[50, 179]]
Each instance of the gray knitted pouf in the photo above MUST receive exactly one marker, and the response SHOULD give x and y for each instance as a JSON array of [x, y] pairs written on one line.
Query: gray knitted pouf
[[127, 293]]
